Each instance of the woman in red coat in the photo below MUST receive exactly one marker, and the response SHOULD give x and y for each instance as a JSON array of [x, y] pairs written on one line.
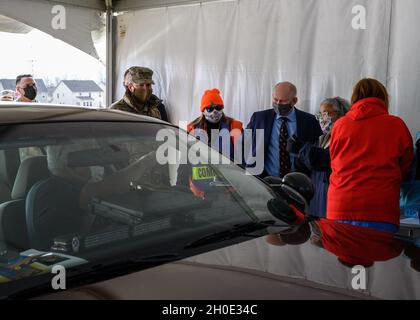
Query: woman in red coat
[[371, 154]]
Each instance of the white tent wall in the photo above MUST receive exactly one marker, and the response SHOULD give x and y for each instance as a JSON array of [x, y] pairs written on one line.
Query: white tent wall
[[404, 62], [82, 24], [245, 47]]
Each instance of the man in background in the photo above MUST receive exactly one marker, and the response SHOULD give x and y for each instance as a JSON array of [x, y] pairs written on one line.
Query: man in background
[[7, 95], [26, 89], [139, 97], [280, 123]]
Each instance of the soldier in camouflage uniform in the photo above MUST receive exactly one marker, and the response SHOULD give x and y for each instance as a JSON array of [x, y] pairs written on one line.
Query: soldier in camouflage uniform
[[138, 97]]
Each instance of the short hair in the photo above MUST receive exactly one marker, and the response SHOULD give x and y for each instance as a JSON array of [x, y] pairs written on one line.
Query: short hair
[[125, 78], [341, 105], [369, 88], [291, 86], [20, 77]]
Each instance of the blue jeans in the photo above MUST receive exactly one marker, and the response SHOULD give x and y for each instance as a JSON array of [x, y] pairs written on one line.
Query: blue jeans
[[381, 226]]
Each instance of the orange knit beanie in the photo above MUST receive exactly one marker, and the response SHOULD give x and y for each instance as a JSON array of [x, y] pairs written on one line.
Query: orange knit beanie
[[211, 97]]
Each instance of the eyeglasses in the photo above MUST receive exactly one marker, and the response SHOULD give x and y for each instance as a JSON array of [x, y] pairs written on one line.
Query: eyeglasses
[[323, 115], [211, 109]]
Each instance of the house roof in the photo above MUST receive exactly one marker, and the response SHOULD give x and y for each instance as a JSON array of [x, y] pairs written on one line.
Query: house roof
[[84, 98], [82, 85], [41, 85], [10, 84]]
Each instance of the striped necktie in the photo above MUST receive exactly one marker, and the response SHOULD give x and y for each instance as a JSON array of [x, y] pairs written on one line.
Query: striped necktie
[[285, 165]]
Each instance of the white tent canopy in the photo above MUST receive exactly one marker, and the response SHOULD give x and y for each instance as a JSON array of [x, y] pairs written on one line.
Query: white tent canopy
[[85, 22], [85, 19], [121, 5], [13, 26], [243, 47], [81, 24]]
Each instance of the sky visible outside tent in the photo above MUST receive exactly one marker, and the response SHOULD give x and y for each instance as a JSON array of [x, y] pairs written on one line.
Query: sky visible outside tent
[[46, 57]]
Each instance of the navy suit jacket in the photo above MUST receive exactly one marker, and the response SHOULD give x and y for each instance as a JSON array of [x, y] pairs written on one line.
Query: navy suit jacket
[[308, 129]]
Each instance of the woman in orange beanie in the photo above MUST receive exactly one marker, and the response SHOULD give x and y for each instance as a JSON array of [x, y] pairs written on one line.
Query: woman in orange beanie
[[213, 120], [210, 128]]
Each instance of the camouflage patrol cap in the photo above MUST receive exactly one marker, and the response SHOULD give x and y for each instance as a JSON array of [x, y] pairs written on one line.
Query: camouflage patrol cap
[[139, 75]]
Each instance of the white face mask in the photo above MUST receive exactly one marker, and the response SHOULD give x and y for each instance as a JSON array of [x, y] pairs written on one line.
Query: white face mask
[[326, 125], [325, 121], [214, 116]]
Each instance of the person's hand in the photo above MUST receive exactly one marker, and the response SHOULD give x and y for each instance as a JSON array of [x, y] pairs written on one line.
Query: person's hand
[[294, 144]]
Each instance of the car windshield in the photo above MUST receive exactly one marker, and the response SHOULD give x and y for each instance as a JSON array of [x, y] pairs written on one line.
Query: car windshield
[[88, 195]]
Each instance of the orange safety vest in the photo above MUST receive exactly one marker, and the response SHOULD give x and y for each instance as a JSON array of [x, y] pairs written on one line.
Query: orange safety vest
[[200, 174]]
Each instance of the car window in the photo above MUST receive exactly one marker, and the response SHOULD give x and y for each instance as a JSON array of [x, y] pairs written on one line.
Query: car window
[[110, 192]]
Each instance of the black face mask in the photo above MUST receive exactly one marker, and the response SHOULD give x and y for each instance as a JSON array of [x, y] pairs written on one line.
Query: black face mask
[[282, 109], [30, 92]]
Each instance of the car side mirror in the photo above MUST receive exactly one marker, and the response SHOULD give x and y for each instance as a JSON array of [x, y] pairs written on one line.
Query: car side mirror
[[291, 184], [296, 188], [300, 183], [275, 184]]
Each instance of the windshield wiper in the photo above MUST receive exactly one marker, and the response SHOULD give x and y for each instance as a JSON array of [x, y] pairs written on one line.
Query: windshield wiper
[[243, 230]]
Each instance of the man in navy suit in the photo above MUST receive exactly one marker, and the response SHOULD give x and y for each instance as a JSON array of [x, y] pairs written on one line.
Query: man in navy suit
[[281, 123]]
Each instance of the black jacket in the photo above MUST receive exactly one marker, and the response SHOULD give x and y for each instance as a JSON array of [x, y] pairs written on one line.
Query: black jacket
[[308, 129]]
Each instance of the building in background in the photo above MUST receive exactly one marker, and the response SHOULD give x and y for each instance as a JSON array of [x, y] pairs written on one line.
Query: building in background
[[84, 93], [42, 96], [51, 89], [102, 85]]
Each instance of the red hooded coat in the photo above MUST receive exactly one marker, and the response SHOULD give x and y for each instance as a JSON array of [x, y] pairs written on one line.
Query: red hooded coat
[[371, 154], [358, 245]]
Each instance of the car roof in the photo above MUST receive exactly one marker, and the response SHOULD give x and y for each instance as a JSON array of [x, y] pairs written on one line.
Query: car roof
[[14, 113]]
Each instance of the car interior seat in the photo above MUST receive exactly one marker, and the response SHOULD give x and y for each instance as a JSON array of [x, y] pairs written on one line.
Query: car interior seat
[[52, 210], [9, 166], [12, 213]]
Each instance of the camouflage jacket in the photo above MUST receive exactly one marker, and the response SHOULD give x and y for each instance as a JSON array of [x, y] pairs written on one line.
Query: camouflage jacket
[[153, 108]]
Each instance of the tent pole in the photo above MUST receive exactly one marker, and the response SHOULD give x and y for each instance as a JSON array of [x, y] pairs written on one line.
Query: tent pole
[[109, 54]]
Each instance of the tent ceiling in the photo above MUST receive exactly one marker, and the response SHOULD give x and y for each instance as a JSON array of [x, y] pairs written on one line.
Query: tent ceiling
[[90, 4], [13, 26], [82, 25], [85, 25], [84, 22], [124, 5]]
